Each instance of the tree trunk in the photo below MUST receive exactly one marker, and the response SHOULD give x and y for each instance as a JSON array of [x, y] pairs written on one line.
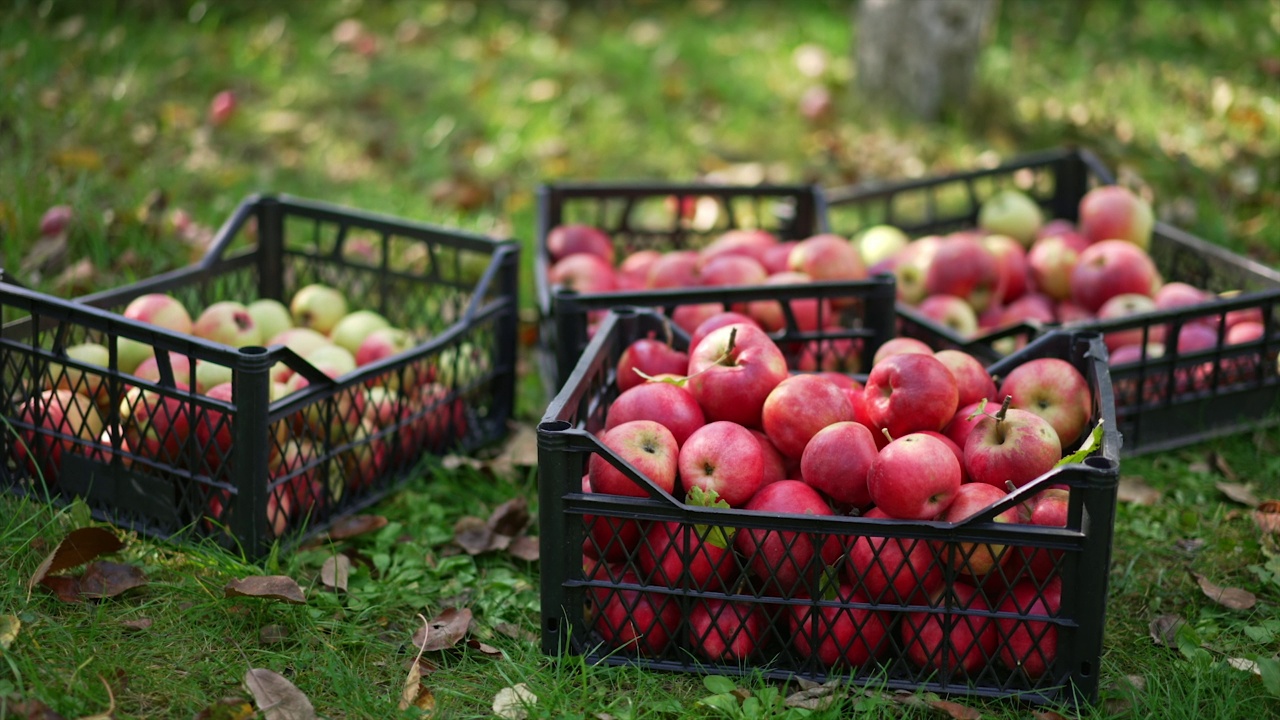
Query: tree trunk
[[920, 54]]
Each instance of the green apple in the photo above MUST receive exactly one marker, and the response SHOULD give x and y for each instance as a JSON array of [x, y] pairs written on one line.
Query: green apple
[[271, 316], [353, 328]]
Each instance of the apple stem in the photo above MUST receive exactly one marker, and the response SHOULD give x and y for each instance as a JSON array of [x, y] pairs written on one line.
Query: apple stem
[[733, 337], [886, 434], [1000, 414]]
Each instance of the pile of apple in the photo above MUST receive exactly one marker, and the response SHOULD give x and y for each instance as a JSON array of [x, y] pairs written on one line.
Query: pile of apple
[[930, 436], [1017, 267], [413, 405], [584, 260]]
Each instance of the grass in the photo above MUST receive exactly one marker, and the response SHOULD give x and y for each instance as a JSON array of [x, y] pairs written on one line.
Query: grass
[[461, 111]]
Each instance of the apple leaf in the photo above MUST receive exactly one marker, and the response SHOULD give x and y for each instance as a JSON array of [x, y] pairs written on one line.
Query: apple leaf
[[1091, 443], [677, 381], [718, 536], [981, 409]]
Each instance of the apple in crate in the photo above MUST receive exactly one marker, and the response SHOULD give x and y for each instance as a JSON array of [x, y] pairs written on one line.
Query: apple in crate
[[675, 269], [1030, 645], [633, 271], [157, 423], [651, 357], [1051, 261], [835, 632], [606, 537], [1056, 391], [731, 270], [1127, 305], [1048, 509], [443, 421], [732, 372], [1011, 266], [365, 462], [725, 458], [696, 557], [836, 462], [271, 316], [154, 309], [912, 267], [965, 268], [59, 416], [636, 621], [880, 242], [739, 241], [892, 570], [800, 406], [318, 307], [808, 313], [1011, 212], [1114, 212], [827, 257], [915, 477], [213, 428], [1012, 446], [1109, 268], [149, 369], [951, 312], [727, 631], [973, 382], [227, 322], [779, 559], [899, 346], [972, 558], [947, 642], [909, 392], [665, 403], [646, 445], [566, 240]]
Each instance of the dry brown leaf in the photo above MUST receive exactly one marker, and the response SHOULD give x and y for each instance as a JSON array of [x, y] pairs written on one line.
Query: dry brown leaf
[[335, 571], [444, 631], [516, 632], [232, 708], [137, 625], [272, 634], [1228, 597], [818, 697], [1245, 664], [31, 710], [277, 698], [520, 451], [473, 535], [1220, 462], [356, 525], [1164, 630], [107, 579], [273, 587], [955, 710], [525, 548], [512, 703], [455, 461], [1133, 489], [488, 651], [77, 548], [67, 588], [414, 693], [1239, 492], [510, 517], [9, 627]]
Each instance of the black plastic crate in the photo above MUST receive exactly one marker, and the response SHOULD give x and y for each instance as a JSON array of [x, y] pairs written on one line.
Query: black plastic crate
[[650, 215], [249, 469], [1233, 387], [663, 608]]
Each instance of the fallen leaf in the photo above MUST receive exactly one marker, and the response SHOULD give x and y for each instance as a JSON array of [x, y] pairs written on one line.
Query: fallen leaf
[[1199, 467], [231, 708], [520, 451], [111, 705], [30, 710], [444, 631], [108, 579], [272, 634], [273, 587], [818, 697], [955, 710], [1134, 489], [334, 572], [356, 525], [1228, 597], [1239, 492], [9, 627], [77, 548], [137, 625], [473, 535], [488, 651], [512, 703], [67, 588], [454, 461], [1164, 630], [525, 548], [516, 632], [510, 517], [1245, 664], [414, 694], [277, 698], [1220, 462], [1190, 545], [1267, 516]]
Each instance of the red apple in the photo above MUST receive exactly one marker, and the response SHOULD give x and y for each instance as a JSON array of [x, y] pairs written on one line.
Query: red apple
[[732, 372], [1113, 212], [837, 461], [909, 392], [636, 266], [156, 425], [837, 633], [689, 317], [1012, 446], [1109, 268], [808, 314], [800, 406], [1056, 391], [892, 570], [899, 345], [732, 270], [964, 267], [1030, 645], [583, 273], [60, 417], [915, 477], [911, 267], [675, 269], [962, 423], [723, 457], [638, 621], [949, 642], [749, 242], [1128, 305], [973, 382], [227, 322], [827, 257], [951, 312], [606, 537], [718, 319], [651, 357], [1050, 510], [213, 428], [694, 557], [670, 405], [775, 259], [726, 631], [1011, 264], [1051, 261], [779, 559], [646, 445], [972, 558], [1032, 307], [565, 240], [775, 464]]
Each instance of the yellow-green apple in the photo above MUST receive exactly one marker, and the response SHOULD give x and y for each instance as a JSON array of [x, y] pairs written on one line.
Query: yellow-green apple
[[898, 345], [1030, 645], [733, 370], [675, 269], [836, 462], [1056, 391], [566, 240], [650, 356], [725, 270], [911, 267], [301, 340], [779, 559], [637, 621], [973, 558], [915, 477], [156, 423], [827, 257], [1109, 268], [973, 382], [354, 327], [809, 313], [725, 631], [227, 322], [1011, 266], [1051, 261], [956, 639], [694, 557], [1114, 212], [951, 312], [718, 319], [318, 307], [670, 405], [89, 383], [722, 457], [332, 356], [271, 316], [964, 267], [59, 417], [1011, 212], [383, 343], [892, 570], [1128, 305], [1012, 446], [800, 406], [909, 392], [648, 446], [880, 242], [210, 375], [847, 634], [294, 467]]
